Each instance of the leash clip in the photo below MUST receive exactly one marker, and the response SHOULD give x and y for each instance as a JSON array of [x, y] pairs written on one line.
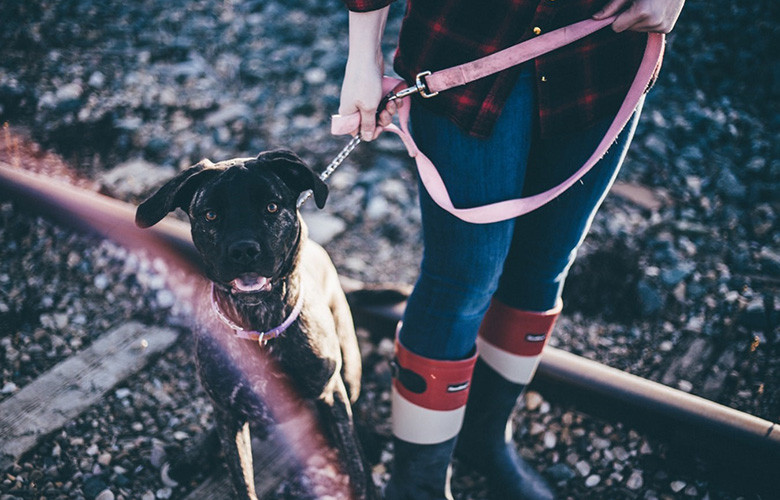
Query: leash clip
[[422, 87], [419, 87]]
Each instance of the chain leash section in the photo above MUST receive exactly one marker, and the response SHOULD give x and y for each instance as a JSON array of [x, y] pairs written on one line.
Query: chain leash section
[[338, 160]]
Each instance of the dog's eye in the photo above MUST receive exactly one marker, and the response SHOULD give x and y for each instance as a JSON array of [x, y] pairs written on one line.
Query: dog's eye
[[272, 208], [211, 215]]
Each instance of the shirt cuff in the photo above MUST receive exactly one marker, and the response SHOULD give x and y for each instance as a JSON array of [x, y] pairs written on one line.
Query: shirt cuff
[[366, 5]]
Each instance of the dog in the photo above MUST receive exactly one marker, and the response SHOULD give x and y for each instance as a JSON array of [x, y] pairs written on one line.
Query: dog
[[267, 277]]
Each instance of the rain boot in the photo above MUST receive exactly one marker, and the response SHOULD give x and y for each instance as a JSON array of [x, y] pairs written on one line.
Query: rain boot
[[428, 403], [510, 344]]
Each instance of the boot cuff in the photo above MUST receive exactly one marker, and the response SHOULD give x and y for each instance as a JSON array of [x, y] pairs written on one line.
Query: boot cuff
[[518, 332], [430, 383]]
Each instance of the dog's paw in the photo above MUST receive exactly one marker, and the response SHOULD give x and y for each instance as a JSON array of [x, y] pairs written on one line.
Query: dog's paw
[[165, 476]]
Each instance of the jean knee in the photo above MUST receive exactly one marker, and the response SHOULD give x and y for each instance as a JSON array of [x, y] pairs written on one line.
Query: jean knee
[[442, 316], [448, 296], [537, 291]]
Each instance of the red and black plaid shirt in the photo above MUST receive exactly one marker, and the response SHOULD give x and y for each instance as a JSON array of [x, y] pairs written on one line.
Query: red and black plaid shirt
[[575, 85]]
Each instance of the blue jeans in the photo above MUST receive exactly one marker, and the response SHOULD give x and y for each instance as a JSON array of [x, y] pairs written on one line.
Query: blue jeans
[[523, 262]]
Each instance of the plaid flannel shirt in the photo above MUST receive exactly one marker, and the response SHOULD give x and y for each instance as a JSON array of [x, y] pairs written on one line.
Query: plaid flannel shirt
[[576, 85]]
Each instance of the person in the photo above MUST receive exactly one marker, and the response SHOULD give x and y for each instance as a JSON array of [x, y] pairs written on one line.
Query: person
[[488, 294]]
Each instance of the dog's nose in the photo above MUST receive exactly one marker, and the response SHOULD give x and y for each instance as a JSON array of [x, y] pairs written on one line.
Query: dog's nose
[[243, 252]]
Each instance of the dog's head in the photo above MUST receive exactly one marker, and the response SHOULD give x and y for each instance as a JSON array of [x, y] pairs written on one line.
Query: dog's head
[[243, 216]]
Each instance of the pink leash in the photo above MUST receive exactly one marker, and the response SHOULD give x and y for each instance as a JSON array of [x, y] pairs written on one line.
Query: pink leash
[[429, 84]]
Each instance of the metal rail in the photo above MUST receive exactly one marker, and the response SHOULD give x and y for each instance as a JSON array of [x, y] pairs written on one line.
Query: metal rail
[[738, 448]]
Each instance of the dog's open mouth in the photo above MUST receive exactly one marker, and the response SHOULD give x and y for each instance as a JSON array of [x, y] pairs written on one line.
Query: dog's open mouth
[[251, 282]]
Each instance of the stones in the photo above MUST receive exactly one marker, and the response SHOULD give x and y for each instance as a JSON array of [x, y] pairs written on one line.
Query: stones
[[105, 495], [123, 392], [165, 299], [560, 472], [135, 177], [635, 480], [550, 440], [323, 227], [93, 487], [227, 114], [583, 468], [533, 400], [9, 388], [592, 480], [104, 459]]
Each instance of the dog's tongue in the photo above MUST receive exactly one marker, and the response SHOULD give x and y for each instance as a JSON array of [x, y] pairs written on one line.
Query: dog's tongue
[[251, 283]]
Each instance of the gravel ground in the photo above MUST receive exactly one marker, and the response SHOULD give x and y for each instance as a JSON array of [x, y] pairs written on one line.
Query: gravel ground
[[677, 281]]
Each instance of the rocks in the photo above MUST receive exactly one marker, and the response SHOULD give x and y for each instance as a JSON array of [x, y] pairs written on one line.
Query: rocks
[[323, 227], [583, 468], [635, 480], [134, 178], [592, 480], [533, 400], [9, 388], [677, 486], [227, 114]]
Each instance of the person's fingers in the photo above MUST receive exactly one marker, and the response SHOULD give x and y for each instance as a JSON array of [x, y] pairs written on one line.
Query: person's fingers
[[657, 16], [346, 110], [611, 8], [385, 118], [386, 115], [367, 124], [630, 18]]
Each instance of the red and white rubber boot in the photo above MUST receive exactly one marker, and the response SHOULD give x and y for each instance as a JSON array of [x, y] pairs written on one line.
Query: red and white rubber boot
[[429, 402], [510, 345]]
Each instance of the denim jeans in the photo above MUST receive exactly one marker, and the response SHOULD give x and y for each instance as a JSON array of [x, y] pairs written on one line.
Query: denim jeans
[[523, 262]]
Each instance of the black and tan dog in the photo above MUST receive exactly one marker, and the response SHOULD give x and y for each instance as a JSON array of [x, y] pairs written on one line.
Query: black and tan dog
[[275, 288]]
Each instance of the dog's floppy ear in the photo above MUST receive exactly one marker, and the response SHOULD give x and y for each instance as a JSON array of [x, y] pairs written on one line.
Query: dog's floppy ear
[[294, 172], [176, 193]]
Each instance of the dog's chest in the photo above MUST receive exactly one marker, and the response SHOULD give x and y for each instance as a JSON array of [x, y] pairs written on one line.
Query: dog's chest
[[242, 378]]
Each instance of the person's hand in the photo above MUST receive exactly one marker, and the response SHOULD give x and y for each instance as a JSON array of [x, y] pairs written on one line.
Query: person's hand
[[657, 16], [361, 92]]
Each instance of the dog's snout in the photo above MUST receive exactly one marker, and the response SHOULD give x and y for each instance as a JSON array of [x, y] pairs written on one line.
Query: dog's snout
[[244, 252]]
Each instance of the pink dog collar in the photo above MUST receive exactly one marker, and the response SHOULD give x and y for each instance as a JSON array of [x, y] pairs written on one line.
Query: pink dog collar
[[261, 337]]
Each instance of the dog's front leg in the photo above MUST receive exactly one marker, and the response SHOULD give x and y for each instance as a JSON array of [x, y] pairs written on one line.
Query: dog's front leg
[[336, 414], [237, 441]]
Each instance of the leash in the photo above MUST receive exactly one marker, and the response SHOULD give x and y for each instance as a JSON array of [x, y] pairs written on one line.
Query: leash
[[261, 337], [429, 84], [332, 166]]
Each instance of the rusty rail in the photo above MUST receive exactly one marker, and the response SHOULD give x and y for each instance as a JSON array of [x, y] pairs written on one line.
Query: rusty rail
[[738, 448]]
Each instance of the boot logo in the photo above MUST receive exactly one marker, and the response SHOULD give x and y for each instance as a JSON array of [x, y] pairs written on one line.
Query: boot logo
[[412, 381], [458, 387], [535, 337]]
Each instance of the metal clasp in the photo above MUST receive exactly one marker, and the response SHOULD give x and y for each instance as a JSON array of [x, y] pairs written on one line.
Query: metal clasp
[[422, 87], [419, 87]]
